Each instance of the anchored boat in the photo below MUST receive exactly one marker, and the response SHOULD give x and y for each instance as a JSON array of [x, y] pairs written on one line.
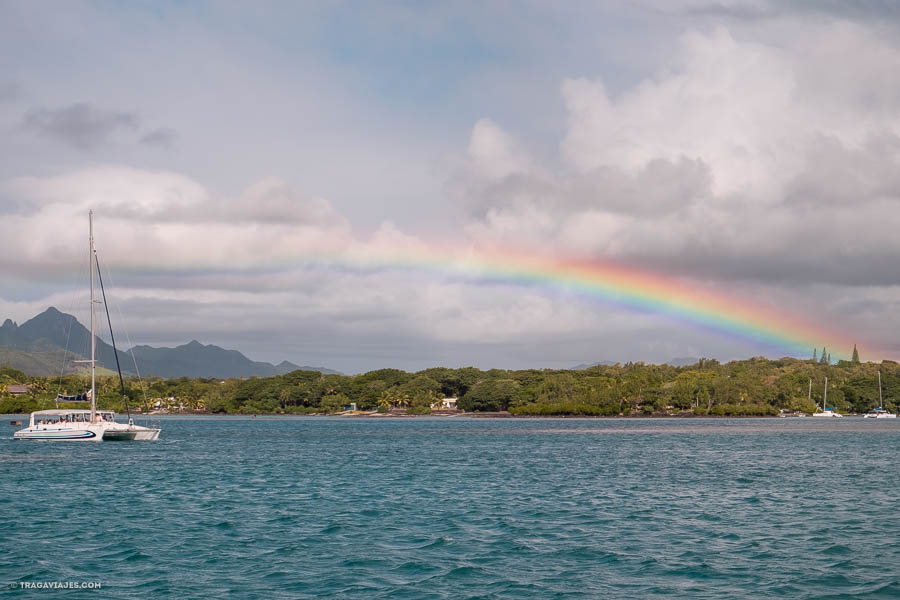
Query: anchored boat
[[880, 412], [826, 412], [88, 425], [66, 424]]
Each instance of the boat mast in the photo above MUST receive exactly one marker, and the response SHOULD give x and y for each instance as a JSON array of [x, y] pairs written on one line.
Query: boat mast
[[93, 338], [880, 399], [825, 397]]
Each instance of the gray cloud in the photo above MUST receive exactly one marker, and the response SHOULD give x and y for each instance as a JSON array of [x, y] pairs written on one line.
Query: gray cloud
[[80, 125], [753, 10], [661, 187], [747, 10], [10, 91], [840, 176], [879, 10], [162, 137]]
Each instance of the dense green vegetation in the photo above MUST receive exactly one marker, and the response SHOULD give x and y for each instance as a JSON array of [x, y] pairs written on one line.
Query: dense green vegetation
[[757, 386]]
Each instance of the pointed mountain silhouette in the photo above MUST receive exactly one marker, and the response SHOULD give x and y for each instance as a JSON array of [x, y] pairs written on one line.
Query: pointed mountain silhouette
[[53, 330]]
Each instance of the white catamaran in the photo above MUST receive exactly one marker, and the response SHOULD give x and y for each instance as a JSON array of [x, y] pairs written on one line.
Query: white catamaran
[[87, 425], [880, 412]]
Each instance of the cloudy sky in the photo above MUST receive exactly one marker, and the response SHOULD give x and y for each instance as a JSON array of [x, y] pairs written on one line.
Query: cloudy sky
[[745, 147]]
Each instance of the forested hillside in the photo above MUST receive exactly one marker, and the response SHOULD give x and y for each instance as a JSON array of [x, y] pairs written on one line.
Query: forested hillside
[[757, 386]]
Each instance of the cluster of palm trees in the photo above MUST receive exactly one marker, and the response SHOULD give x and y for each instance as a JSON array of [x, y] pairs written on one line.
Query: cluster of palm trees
[[395, 397]]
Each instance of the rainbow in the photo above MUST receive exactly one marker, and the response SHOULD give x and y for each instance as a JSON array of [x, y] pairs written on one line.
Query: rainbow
[[613, 283], [596, 279]]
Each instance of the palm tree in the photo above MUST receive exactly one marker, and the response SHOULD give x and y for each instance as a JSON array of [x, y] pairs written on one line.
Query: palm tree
[[384, 402]]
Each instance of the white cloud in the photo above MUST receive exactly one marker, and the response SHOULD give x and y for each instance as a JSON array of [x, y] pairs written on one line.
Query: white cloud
[[162, 218], [494, 153], [738, 159], [730, 104]]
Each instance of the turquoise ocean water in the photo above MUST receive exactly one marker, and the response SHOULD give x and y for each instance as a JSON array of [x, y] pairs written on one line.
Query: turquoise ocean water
[[459, 508]]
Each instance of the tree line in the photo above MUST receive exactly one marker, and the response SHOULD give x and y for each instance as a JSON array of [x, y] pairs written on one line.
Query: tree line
[[756, 386]]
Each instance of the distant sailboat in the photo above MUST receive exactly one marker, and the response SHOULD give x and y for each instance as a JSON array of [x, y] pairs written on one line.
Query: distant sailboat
[[879, 413], [826, 412]]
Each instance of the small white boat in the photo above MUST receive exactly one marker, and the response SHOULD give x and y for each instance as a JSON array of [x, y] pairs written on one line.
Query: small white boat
[[880, 412], [87, 425], [68, 424], [826, 412]]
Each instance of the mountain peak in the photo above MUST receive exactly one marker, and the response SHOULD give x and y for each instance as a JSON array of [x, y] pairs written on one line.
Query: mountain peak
[[51, 315]]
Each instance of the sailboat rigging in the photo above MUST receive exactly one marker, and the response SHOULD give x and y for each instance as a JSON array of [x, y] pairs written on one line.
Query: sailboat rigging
[[93, 424]]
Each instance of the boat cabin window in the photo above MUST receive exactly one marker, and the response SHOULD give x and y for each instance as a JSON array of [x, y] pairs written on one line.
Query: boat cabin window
[[72, 418]]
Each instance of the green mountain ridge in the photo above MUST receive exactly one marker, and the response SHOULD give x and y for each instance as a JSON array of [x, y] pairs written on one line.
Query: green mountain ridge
[[49, 343]]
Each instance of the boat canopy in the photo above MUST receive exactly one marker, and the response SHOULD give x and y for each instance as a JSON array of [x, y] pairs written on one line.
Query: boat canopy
[[68, 411], [76, 398]]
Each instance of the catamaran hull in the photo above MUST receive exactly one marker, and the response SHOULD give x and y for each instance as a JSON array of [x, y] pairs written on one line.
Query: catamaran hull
[[131, 435], [116, 432], [147, 436], [64, 435]]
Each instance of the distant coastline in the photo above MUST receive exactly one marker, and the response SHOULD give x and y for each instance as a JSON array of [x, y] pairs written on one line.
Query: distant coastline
[[755, 387], [438, 415]]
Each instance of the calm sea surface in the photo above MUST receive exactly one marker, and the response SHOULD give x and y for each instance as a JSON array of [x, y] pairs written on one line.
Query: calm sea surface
[[459, 508]]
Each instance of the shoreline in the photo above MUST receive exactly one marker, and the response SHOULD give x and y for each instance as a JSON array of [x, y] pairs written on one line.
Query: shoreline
[[441, 415]]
